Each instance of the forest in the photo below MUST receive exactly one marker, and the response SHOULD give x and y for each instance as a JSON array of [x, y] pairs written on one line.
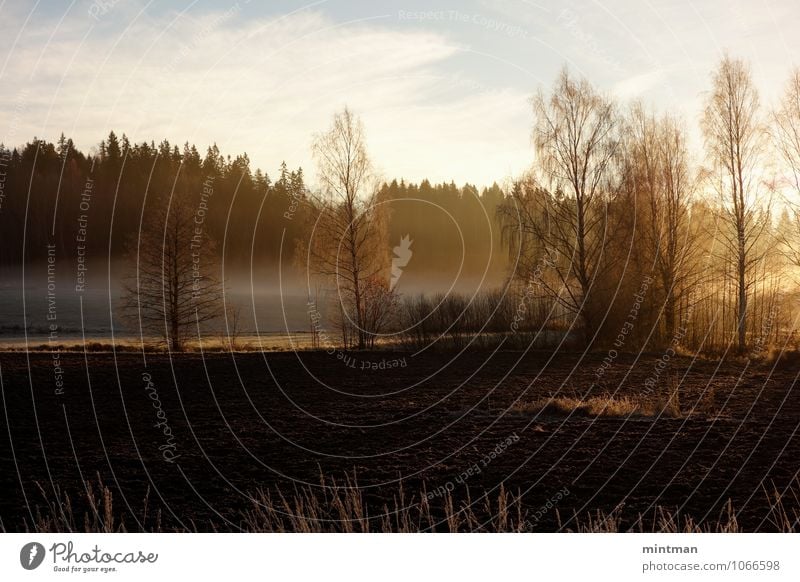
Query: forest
[[44, 187]]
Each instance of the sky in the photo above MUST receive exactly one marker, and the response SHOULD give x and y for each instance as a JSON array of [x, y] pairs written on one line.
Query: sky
[[443, 88]]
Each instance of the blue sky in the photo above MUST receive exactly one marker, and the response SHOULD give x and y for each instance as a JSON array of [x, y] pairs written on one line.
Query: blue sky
[[443, 87]]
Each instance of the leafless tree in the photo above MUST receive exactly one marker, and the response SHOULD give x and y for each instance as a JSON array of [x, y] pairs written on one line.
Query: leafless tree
[[659, 161], [233, 327], [734, 143], [575, 136], [348, 242], [174, 289], [786, 129], [786, 137]]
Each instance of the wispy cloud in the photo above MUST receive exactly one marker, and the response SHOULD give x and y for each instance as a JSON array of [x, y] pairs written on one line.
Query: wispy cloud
[[444, 97], [260, 85]]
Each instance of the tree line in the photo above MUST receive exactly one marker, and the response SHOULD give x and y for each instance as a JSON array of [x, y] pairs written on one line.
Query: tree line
[[628, 238], [618, 236], [46, 196]]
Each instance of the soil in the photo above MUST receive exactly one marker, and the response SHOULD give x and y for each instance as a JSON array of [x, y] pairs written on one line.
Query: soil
[[248, 421]]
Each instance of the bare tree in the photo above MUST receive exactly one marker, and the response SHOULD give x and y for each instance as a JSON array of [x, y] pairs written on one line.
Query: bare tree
[[575, 136], [659, 161], [349, 241], [786, 137], [233, 327], [785, 133], [786, 129], [174, 288], [734, 143]]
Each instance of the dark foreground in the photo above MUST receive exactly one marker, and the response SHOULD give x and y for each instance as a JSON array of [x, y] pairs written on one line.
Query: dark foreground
[[203, 434]]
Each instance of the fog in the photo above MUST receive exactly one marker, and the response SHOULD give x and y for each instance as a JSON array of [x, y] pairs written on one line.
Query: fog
[[269, 302]]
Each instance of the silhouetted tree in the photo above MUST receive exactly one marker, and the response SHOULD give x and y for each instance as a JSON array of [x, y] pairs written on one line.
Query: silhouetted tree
[[175, 289], [659, 172], [575, 135], [348, 242]]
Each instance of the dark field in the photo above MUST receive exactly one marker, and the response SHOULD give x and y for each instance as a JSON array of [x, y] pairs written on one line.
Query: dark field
[[279, 421]]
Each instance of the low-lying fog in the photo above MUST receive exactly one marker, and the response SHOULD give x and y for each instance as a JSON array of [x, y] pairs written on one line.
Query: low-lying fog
[[268, 302]]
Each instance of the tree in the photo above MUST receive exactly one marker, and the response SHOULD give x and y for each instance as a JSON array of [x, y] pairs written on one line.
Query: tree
[[786, 129], [658, 162], [348, 242], [734, 144], [575, 136], [786, 136], [174, 289]]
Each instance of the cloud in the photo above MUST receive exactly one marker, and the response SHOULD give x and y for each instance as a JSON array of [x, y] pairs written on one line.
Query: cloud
[[263, 86]]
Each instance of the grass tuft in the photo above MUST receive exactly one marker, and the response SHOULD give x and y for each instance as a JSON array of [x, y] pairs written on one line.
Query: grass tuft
[[603, 406]]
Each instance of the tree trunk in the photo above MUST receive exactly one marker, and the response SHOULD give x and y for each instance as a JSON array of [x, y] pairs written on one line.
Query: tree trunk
[[742, 304], [669, 315]]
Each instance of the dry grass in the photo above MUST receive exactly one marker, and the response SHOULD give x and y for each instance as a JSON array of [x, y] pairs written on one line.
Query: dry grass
[[779, 519], [58, 515], [344, 509], [328, 508], [334, 508], [604, 406], [661, 521]]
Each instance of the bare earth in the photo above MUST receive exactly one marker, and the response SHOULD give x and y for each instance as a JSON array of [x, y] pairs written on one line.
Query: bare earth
[[248, 421]]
